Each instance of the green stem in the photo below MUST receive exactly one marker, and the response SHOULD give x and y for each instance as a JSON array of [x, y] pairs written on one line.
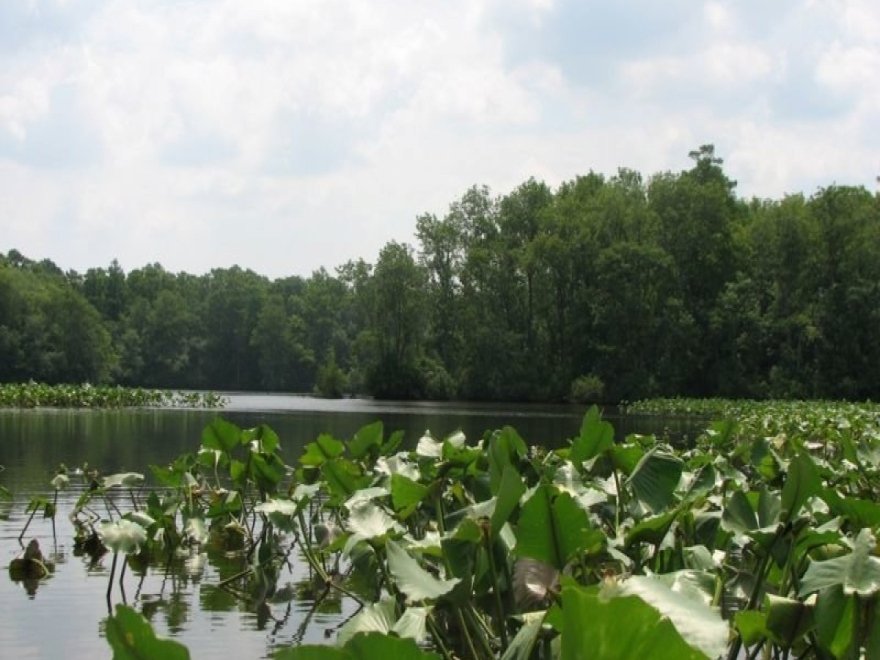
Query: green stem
[[619, 502], [438, 638], [499, 606], [110, 581], [27, 524], [481, 631], [467, 633]]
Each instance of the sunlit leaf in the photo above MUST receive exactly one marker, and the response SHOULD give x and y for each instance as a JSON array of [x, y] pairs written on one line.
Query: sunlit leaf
[[412, 579], [655, 478], [365, 438], [619, 627], [552, 528], [123, 479], [595, 437], [122, 536], [221, 435], [801, 482], [857, 572]]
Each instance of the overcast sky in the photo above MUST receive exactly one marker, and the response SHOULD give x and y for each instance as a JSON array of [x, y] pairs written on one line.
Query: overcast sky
[[283, 135]]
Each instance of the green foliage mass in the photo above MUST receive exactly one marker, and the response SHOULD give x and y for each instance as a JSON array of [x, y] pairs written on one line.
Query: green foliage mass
[[607, 288]]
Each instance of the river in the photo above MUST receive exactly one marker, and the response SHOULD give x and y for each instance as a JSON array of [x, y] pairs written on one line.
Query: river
[[64, 616]]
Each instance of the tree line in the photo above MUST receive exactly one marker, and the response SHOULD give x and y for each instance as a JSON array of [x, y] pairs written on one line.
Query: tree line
[[606, 288]]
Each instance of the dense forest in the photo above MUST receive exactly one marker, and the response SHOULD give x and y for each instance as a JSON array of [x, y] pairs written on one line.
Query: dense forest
[[606, 288]]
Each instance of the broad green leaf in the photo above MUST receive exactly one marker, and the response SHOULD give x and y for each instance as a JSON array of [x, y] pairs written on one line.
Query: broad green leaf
[[655, 478], [321, 450], [801, 482], [787, 619], [343, 477], [552, 528], [698, 624], [221, 435], [412, 579], [132, 638], [857, 572], [651, 530], [739, 516], [834, 620], [595, 437], [510, 489], [264, 438], [313, 652], [506, 448], [860, 513], [406, 493], [626, 457], [375, 646], [267, 471], [752, 626], [603, 628], [365, 438], [695, 585]]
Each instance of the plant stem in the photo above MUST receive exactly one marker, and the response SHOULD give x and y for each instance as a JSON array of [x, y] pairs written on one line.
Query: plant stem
[[467, 634], [27, 524], [499, 607], [438, 638], [110, 581]]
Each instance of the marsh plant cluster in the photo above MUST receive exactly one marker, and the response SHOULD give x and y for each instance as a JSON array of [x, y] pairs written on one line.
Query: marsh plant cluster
[[42, 395], [757, 541]]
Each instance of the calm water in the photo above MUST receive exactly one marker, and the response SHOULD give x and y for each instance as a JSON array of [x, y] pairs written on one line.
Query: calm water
[[64, 617]]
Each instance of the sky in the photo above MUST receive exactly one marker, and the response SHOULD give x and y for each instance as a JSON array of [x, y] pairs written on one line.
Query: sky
[[286, 135]]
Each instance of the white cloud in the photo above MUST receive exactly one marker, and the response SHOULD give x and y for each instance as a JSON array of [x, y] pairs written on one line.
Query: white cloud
[[286, 135]]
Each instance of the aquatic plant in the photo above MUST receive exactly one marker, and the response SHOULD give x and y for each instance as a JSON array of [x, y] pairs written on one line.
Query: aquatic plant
[[38, 395], [759, 538]]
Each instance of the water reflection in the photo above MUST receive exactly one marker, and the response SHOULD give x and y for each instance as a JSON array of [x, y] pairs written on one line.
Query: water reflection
[[197, 598]]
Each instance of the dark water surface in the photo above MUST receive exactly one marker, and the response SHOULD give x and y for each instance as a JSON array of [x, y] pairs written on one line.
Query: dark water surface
[[64, 617]]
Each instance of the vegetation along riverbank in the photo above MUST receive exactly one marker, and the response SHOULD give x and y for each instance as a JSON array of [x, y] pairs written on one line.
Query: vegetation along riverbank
[[41, 395], [756, 541], [606, 288]]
